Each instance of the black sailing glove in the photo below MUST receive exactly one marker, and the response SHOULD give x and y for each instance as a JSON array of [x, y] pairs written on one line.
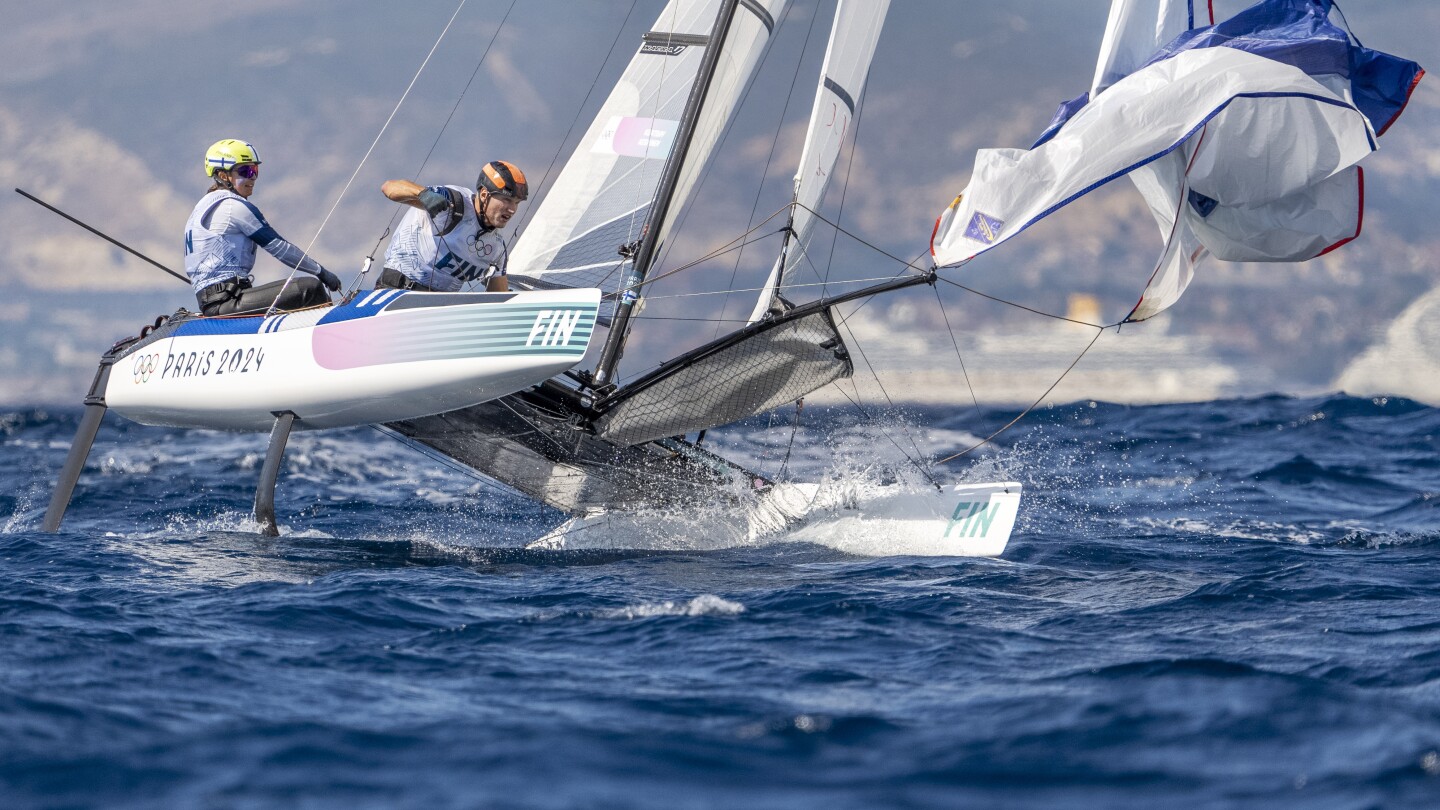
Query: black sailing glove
[[329, 279]]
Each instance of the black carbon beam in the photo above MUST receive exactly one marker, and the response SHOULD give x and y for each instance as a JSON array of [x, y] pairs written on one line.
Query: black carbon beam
[[265, 489], [79, 448]]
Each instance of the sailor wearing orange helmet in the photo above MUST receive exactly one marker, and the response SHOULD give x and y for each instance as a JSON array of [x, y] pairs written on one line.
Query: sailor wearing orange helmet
[[451, 235]]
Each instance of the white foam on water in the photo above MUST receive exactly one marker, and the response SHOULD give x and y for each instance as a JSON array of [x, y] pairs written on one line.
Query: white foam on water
[[706, 604], [1237, 530]]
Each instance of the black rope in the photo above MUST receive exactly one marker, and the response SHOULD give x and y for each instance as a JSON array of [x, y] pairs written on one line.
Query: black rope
[[870, 418], [794, 428], [1032, 310], [717, 252], [854, 341], [843, 322], [887, 254], [1033, 405], [911, 265], [956, 344]]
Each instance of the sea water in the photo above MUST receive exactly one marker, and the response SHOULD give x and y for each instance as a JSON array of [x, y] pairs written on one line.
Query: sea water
[[1222, 604]]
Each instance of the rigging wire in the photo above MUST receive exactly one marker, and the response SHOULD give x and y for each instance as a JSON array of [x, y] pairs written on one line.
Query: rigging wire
[[855, 400], [887, 254], [1031, 310], [915, 460], [913, 266], [1100, 329], [701, 320], [720, 251], [271, 310], [399, 210], [956, 343], [794, 428], [702, 293], [1032, 406], [580, 110], [864, 303], [760, 186]]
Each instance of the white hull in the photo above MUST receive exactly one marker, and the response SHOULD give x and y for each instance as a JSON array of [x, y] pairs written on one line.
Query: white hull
[[965, 520], [385, 356]]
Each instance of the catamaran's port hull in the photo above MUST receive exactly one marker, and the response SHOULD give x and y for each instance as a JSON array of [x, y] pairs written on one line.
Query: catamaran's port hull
[[963, 520], [385, 356]]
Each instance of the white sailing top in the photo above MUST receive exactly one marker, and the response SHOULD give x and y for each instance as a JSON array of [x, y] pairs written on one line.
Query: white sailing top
[[426, 253], [220, 240]]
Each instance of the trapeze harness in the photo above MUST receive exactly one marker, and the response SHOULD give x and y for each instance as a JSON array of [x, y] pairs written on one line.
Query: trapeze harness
[[444, 248], [220, 240]]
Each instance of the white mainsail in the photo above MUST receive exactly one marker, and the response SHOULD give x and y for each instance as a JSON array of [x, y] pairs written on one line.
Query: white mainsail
[[853, 35], [750, 32], [601, 199]]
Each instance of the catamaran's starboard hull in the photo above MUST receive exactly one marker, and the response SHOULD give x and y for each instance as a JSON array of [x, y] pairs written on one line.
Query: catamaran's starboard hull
[[386, 355]]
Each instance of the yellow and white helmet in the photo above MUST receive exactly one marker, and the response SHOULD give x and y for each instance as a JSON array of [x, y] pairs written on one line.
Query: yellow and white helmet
[[225, 155]]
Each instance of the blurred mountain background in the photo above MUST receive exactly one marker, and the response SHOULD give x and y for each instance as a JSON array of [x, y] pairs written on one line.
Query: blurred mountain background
[[106, 111]]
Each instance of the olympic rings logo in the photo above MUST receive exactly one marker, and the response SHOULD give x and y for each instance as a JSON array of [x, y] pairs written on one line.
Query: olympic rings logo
[[145, 366], [478, 247]]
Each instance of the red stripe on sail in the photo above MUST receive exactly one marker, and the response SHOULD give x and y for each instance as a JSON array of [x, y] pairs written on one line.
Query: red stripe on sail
[[1359, 214], [1408, 93]]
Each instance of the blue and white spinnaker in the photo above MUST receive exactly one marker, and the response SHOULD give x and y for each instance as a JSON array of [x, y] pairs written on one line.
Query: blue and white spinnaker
[[1243, 137]]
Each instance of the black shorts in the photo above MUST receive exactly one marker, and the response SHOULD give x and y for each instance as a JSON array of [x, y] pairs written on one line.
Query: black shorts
[[302, 292]]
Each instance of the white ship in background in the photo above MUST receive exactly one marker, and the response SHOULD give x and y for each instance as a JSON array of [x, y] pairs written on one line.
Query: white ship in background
[[1143, 363]]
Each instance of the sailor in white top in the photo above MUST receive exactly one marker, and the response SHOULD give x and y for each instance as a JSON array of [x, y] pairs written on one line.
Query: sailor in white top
[[222, 234], [452, 234]]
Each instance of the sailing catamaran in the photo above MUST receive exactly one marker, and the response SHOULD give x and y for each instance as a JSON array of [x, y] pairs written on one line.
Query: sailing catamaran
[[1243, 136], [617, 458], [1193, 111]]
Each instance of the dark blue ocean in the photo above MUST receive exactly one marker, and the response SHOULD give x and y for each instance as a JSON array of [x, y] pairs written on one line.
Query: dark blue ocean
[[1224, 604]]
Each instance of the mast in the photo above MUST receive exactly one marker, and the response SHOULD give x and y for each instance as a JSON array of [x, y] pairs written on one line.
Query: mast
[[649, 240]]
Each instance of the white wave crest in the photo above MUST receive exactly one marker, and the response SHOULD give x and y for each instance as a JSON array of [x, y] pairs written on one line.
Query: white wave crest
[[706, 604]]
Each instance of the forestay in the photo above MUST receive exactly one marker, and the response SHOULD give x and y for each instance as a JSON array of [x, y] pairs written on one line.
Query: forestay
[[853, 35], [1243, 138]]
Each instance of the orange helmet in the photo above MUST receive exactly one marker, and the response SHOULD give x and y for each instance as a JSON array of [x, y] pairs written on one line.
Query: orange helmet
[[503, 179]]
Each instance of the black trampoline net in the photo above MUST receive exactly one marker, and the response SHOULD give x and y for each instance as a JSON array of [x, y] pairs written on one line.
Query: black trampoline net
[[745, 374]]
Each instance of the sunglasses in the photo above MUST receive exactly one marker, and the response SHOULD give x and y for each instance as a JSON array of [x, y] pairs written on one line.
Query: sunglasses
[[248, 171]]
